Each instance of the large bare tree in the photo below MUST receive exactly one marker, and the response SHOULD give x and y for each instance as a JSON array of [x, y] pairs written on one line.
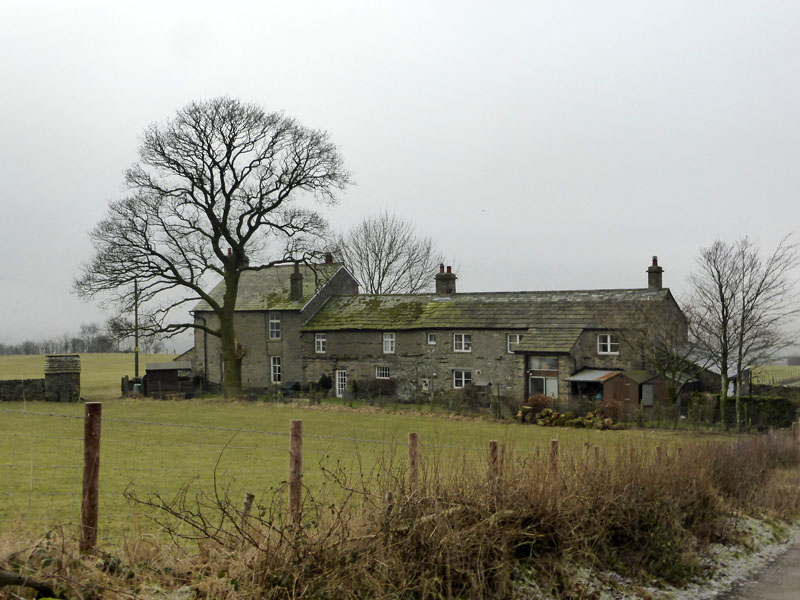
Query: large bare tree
[[742, 303], [216, 189], [386, 256]]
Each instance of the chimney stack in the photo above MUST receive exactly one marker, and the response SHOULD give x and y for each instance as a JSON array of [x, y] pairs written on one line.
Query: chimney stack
[[328, 258], [296, 284], [654, 280], [445, 281]]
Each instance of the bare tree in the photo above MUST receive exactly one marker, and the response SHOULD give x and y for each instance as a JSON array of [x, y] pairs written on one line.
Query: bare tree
[[215, 188], [741, 303], [386, 256], [765, 299]]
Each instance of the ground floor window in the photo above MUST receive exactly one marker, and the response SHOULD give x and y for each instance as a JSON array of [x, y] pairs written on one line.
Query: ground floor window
[[381, 372], [275, 369], [461, 379], [545, 386]]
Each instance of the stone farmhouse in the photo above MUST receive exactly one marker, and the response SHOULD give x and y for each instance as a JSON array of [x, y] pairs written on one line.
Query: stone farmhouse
[[300, 322]]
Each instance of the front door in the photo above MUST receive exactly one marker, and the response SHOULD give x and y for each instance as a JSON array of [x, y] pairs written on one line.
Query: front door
[[341, 383]]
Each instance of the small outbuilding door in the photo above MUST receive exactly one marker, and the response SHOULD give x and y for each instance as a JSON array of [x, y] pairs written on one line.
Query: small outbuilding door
[[341, 383]]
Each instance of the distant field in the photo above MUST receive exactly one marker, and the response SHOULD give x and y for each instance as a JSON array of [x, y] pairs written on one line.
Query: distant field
[[100, 373], [776, 375]]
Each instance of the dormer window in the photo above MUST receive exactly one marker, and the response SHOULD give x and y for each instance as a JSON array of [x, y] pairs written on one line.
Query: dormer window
[[607, 343]]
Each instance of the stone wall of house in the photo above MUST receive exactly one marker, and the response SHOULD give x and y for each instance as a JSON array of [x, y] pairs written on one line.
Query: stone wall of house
[[252, 331], [586, 356], [415, 364], [16, 390]]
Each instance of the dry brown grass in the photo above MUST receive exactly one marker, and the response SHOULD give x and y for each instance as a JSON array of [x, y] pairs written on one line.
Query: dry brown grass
[[461, 534]]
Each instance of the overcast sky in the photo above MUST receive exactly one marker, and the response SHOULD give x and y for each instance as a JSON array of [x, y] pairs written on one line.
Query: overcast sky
[[545, 145]]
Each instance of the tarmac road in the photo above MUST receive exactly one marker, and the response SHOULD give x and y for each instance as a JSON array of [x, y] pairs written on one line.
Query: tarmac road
[[780, 580]]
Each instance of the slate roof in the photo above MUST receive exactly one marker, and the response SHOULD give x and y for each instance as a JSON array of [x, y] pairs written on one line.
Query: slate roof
[[268, 289], [567, 310], [549, 339]]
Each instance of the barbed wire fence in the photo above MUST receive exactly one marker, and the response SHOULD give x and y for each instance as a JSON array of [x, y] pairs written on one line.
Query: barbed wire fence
[[42, 481], [41, 472]]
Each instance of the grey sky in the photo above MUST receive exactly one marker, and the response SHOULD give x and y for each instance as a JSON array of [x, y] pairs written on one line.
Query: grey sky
[[545, 145]]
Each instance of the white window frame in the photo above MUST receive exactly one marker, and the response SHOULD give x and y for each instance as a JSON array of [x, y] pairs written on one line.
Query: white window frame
[[607, 341], [461, 378], [340, 381], [462, 342], [430, 338], [509, 344], [549, 385], [320, 343], [275, 371], [274, 325], [382, 372], [389, 342]]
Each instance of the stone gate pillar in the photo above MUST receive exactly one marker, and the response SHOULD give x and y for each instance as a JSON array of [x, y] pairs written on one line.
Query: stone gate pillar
[[62, 377]]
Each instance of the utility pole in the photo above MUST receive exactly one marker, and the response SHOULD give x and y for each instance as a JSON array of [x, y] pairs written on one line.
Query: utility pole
[[136, 327]]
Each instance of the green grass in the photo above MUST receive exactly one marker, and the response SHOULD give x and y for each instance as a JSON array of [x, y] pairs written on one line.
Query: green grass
[[42, 454], [158, 446], [100, 373], [776, 375]]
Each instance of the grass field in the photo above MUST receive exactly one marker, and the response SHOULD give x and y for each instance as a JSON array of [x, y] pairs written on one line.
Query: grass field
[[776, 375], [155, 446], [158, 446], [100, 373]]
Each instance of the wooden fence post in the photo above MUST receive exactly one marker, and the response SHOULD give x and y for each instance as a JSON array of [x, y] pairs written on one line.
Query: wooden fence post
[[554, 455], [91, 475], [246, 507], [494, 463], [413, 462], [659, 455], [596, 457], [296, 472]]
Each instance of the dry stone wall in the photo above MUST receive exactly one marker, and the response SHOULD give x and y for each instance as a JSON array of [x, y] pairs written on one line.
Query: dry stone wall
[[15, 390]]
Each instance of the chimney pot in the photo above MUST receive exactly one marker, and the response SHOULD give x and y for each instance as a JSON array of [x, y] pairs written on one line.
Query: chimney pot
[[445, 282], [654, 276], [229, 251], [296, 284]]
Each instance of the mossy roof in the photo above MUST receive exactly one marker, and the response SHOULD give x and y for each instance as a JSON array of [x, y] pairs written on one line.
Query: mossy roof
[[568, 310], [268, 288], [549, 339]]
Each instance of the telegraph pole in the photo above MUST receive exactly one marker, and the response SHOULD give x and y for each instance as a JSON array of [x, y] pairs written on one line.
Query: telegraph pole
[[136, 327]]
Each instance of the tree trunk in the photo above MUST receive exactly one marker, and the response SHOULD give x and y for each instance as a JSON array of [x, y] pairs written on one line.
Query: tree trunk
[[739, 415], [723, 400], [231, 356]]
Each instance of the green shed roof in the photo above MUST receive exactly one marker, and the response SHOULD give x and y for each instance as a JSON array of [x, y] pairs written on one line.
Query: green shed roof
[[568, 310], [268, 288]]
